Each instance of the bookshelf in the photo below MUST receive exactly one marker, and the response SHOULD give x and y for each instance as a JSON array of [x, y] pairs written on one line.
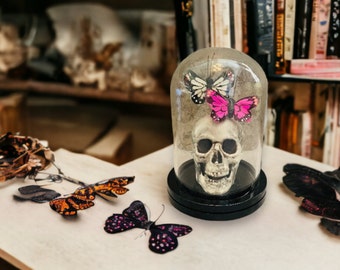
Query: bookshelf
[[277, 34], [159, 96]]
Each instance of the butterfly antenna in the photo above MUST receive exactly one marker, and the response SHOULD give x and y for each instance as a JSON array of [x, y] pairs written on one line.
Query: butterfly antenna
[[160, 213]]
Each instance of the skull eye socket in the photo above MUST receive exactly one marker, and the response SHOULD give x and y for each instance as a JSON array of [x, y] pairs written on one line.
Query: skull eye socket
[[229, 146], [204, 145]]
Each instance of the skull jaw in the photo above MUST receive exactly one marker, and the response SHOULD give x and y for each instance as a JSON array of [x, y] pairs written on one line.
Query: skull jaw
[[214, 185]]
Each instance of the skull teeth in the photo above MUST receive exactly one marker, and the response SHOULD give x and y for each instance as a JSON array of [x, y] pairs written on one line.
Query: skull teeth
[[216, 181], [216, 176]]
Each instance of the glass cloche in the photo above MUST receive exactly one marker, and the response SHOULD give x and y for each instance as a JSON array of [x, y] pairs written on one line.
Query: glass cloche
[[218, 105]]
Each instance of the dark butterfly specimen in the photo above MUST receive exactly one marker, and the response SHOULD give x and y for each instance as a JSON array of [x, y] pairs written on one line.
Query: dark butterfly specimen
[[82, 198], [36, 193], [222, 107], [320, 192], [163, 237], [199, 86]]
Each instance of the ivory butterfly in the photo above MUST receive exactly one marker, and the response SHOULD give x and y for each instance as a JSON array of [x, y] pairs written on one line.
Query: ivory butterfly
[[320, 192], [163, 237], [222, 107], [198, 86]]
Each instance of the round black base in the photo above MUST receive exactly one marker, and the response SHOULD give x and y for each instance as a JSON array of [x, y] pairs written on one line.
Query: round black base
[[219, 208]]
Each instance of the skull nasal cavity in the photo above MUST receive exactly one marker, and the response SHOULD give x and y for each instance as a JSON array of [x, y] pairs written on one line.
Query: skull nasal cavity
[[229, 146], [217, 157], [204, 145]]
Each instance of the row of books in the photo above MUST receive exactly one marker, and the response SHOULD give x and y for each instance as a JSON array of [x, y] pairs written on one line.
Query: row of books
[[313, 133], [306, 37], [284, 36]]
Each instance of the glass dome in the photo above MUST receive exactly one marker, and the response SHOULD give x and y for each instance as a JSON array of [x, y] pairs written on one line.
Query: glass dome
[[218, 105]]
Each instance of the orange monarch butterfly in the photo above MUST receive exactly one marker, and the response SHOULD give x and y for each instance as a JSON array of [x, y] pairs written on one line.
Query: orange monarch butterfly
[[82, 198]]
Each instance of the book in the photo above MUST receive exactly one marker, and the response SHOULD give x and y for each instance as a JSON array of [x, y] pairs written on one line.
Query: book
[[313, 29], [201, 24], [306, 134], [289, 29], [260, 29], [333, 43], [314, 66], [220, 30], [280, 67], [260, 26], [332, 124], [302, 29], [236, 22], [319, 29], [185, 32], [245, 47]]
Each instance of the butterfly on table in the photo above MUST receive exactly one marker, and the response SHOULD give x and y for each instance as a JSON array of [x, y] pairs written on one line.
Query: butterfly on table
[[223, 107], [198, 86], [82, 198], [320, 192], [163, 237]]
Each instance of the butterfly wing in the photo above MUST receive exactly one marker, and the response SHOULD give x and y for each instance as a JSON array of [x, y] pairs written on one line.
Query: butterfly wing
[[197, 86], [333, 226], [242, 108], [109, 189], [117, 181], [164, 237], [36, 194], [134, 216], [69, 206], [177, 229], [136, 211], [307, 182], [223, 84], [119, 223], [218, 104], [85, 193], [327, 208], [162, 241]]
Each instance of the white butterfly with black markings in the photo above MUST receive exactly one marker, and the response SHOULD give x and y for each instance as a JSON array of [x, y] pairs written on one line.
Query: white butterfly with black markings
[[198, 86]]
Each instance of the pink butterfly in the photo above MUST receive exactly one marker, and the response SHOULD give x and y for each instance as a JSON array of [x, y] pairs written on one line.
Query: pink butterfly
[[223, 107]]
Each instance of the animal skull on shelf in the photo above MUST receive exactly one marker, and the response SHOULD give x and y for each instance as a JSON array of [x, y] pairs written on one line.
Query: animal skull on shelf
[[12, 53], [84, 71], [217, 154]]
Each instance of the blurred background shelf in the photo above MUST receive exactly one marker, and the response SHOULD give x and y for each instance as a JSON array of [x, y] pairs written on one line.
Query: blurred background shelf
[[160, 98]]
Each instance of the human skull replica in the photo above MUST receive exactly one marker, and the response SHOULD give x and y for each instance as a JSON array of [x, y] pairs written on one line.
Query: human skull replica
[[217, 154]]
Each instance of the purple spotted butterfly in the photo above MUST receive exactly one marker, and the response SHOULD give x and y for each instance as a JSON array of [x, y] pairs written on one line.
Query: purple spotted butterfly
[[163, 237]]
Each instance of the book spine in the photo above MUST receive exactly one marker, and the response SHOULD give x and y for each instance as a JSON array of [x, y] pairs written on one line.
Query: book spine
[[237, 25], [314, 29], [220, 23], [245, 47], [200, 21], [289, 29], [302, 28], [280, 67], [322, 29], [333, 45], [185, 32]]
